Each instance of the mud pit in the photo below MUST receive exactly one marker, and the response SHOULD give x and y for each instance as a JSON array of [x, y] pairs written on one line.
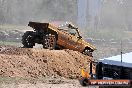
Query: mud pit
[[37, 63]]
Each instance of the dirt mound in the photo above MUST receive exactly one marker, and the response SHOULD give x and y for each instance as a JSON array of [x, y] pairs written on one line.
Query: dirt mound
[[37, 63]]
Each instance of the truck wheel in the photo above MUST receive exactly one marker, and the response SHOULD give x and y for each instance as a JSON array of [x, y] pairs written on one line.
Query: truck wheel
[[87, 52], [49, 42], [27, 39], [84, 82]]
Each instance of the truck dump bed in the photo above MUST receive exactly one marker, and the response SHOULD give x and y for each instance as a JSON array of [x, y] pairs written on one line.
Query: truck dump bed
[[37, 25]]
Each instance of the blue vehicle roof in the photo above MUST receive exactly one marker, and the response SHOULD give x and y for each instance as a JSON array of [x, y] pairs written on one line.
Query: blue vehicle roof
[[116, 60]]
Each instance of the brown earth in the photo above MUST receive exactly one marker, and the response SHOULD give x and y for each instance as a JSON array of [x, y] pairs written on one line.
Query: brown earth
[[36, 63]]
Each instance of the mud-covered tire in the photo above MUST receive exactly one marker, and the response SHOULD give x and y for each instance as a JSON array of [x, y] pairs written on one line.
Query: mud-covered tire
[[87, 52], [84, 82], [49, 42], [27, 39]]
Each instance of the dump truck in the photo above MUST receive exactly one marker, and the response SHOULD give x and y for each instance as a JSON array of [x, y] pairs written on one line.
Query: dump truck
[[64, 36]]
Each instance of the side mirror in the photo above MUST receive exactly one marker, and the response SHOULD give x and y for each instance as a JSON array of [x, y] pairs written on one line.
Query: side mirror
[[72, 26]]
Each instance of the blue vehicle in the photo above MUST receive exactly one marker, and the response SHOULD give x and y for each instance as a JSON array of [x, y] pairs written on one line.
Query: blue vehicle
[[109, 72]]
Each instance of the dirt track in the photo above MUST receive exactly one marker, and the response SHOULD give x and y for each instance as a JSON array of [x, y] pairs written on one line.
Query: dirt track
[[36, 63], [47, 83], [40, 64]]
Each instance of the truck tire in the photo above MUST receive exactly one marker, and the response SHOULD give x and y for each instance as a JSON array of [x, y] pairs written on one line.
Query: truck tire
[[49, 42], [84, 82], [87, 52], [27, 39]]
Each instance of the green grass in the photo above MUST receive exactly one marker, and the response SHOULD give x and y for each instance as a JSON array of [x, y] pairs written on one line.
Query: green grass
[[9, 80], [10, 26], [4, 79], [10, 43]]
